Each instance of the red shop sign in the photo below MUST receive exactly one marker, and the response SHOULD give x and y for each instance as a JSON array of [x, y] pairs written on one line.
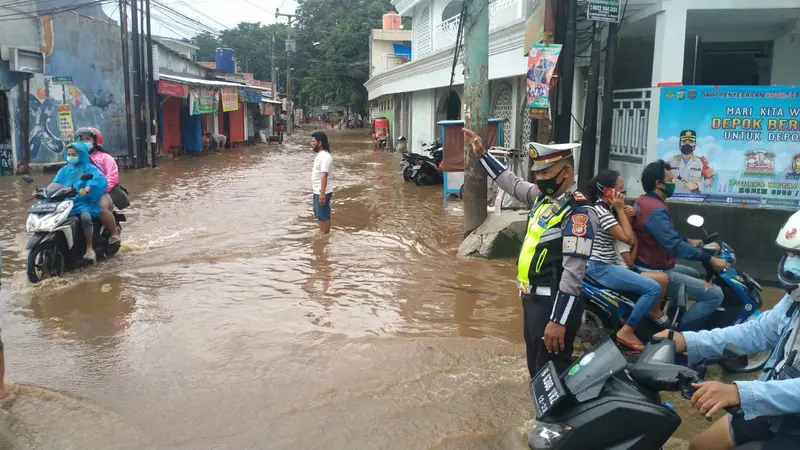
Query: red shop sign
[[173, 89]]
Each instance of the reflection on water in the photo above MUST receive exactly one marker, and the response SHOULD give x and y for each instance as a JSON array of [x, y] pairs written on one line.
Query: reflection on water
[[226, 321]]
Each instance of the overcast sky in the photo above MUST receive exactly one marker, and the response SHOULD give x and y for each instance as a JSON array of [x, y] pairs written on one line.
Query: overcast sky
[[216, 14]]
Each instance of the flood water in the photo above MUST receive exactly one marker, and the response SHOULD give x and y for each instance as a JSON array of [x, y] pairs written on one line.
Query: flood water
[[226, 322]]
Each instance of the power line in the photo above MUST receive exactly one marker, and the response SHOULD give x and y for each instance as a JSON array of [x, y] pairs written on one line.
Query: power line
[[49, 12]]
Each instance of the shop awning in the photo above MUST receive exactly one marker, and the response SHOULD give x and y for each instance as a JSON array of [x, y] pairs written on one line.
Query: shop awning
[[200, 82], [269, 100]]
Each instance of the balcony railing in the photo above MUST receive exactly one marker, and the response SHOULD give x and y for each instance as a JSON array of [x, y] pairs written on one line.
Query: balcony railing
[[501, 14]]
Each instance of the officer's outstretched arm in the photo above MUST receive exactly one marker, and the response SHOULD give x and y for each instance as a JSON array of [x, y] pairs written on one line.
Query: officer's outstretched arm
[[520, 189], [578, 235]]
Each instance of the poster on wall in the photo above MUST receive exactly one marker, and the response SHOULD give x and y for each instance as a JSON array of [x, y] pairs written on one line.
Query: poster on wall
[[65, 123], [732, 144], [541, 65], [230, 99], [203, 100]]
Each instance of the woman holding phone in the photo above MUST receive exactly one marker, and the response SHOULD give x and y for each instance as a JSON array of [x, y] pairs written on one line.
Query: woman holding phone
[[607, 193]]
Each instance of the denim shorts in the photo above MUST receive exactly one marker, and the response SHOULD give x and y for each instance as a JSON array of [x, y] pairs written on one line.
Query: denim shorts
[[323, 212]]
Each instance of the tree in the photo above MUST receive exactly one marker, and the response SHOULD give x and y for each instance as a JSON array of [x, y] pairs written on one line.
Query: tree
[[208, 44]]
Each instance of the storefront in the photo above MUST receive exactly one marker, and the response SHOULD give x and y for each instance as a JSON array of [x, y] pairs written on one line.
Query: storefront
[[173, 100], [253, 120]]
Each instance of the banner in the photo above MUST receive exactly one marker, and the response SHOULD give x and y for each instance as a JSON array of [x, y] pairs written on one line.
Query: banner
[[65, 123], [203, 100], [732, 144], [250, 96], [541, 65], [230, 99], [266, 109], [173, 89]]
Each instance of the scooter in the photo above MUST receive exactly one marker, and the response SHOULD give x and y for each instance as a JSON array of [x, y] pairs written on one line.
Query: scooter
[[603, 402], [410, 161], [428, 172], [607, 309], [58, 243]]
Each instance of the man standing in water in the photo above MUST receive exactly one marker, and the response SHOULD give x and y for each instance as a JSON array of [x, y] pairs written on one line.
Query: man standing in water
[[320, 180], [555, 252]]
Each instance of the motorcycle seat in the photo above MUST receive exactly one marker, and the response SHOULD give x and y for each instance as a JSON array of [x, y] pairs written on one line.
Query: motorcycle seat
[[632, 296]]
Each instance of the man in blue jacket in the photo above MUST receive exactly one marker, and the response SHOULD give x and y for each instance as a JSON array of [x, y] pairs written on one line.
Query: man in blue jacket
[[660, 245], [770, 405]]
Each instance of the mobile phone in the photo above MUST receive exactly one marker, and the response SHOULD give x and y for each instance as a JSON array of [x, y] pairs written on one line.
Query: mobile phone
[[609, 193]]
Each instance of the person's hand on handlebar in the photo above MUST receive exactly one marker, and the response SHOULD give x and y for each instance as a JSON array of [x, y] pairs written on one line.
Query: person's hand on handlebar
[[680, 341], [711, 396], [695, 242], [719, 264]]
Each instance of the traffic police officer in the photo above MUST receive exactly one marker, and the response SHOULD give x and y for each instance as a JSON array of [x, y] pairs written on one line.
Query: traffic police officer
[[692, 172], [555, 251]]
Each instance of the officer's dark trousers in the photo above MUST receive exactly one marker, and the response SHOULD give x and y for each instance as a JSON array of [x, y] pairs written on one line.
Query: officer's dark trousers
[[536, 315]]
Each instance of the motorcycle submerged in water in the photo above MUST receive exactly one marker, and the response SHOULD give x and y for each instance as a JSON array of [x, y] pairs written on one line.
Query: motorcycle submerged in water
[[424, 170], [58, 242], [604, 402], [608, 310]]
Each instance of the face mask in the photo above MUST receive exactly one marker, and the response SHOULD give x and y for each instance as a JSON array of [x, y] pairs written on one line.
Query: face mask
[[89, 146], [687, 149], [551, 185], [668, 189], [73, 159]]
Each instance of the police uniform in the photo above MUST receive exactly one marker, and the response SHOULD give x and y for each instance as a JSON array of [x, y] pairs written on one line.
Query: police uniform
[[554, 254], [695, 168]]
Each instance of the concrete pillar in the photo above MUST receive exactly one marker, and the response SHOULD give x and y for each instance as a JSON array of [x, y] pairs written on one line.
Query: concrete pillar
[[669, 45]]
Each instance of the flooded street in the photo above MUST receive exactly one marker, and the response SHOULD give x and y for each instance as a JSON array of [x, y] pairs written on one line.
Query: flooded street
[[226, 322]]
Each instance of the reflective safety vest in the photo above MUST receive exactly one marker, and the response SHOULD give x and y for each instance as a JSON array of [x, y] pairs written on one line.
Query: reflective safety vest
[[539, 262]]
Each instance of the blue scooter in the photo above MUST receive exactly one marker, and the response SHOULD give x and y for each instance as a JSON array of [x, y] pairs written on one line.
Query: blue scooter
[[607, 310]]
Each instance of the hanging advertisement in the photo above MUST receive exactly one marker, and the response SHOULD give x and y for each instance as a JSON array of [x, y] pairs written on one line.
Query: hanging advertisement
[[203, 100], [604, 10], [732, 144], [230, 99], [65, 123], [266, 109], [172, 89], [541, 65], [250, 96]]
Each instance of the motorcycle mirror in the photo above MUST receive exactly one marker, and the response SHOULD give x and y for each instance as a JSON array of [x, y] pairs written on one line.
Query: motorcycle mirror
[[27, 178], [734, 357], [87, 177], [695, 221]]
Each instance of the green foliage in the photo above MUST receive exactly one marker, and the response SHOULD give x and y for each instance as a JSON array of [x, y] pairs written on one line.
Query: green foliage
[[208, 44]]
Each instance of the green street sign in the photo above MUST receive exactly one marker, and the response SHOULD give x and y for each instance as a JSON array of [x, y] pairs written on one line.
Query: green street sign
[[62, 80]]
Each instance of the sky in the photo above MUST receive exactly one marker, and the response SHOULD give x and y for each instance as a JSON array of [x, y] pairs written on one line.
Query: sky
[[216, 14]]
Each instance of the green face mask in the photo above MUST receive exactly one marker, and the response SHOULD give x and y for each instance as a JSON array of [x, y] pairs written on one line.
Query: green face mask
[[668, 189]]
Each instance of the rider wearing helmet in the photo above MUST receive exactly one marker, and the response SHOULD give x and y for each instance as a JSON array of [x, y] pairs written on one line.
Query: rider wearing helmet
[[93, 138], [771, 404]]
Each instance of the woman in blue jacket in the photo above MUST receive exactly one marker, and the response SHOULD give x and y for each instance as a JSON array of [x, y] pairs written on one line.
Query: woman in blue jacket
[[87, 203]]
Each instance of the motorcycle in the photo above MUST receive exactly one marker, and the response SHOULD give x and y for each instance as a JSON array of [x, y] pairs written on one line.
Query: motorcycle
[[428, 172], [607, 309], [413, 162], [604, 402], [58, 243]]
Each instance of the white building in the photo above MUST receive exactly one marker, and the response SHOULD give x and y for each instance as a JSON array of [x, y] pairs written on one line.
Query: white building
[[703, 42]]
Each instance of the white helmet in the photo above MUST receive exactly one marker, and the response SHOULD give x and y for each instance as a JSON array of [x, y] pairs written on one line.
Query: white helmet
[[789, 240]]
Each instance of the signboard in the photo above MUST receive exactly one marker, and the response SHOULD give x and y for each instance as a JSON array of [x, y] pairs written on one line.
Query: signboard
[[604, 10], [250, 96], [534, 27], [203, 100], [173, 89], [541, 65], [732, 144], [266, 109], [65, 123], [61, 80], [230, 98]]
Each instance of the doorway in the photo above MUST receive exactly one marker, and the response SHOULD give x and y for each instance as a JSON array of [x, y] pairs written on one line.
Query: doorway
[[6, 153], [453, 106]]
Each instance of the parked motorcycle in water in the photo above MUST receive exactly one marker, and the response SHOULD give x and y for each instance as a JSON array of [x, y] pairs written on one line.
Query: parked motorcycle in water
[[58, 242], [603, 402], [414, 164], [607, 309]]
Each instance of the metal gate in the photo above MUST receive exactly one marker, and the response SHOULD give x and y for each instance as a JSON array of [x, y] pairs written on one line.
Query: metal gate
[[6, 157]]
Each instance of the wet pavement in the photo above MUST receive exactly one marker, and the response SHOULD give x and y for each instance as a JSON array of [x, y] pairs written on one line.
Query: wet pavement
[[226, 322]]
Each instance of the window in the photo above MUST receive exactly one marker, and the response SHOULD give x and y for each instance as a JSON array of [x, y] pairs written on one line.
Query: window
[[452, 9]]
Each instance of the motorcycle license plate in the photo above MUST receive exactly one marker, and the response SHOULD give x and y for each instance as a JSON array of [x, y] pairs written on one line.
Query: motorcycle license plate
[[43, 208], [416, 167], [547, 391]]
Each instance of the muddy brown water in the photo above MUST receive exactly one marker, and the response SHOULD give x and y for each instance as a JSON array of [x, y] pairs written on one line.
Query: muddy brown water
[[226, 322]]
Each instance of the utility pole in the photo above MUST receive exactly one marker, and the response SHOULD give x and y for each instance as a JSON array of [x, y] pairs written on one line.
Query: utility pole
[[608, 97], [143, 90], [567, 76], [151, 89], [137, 100], [589, 139], [272, 67], [126, 69], [290, 47], [476, 114]]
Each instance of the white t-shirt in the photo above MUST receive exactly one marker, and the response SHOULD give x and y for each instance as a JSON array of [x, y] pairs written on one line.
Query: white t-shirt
[[323, 163], [620, 248]]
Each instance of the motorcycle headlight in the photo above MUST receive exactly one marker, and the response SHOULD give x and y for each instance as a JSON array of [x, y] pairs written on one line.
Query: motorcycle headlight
[[48, 222], [545, 435]]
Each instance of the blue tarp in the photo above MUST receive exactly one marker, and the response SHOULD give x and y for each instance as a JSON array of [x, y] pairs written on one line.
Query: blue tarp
[[192, 131], [402, 50]]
